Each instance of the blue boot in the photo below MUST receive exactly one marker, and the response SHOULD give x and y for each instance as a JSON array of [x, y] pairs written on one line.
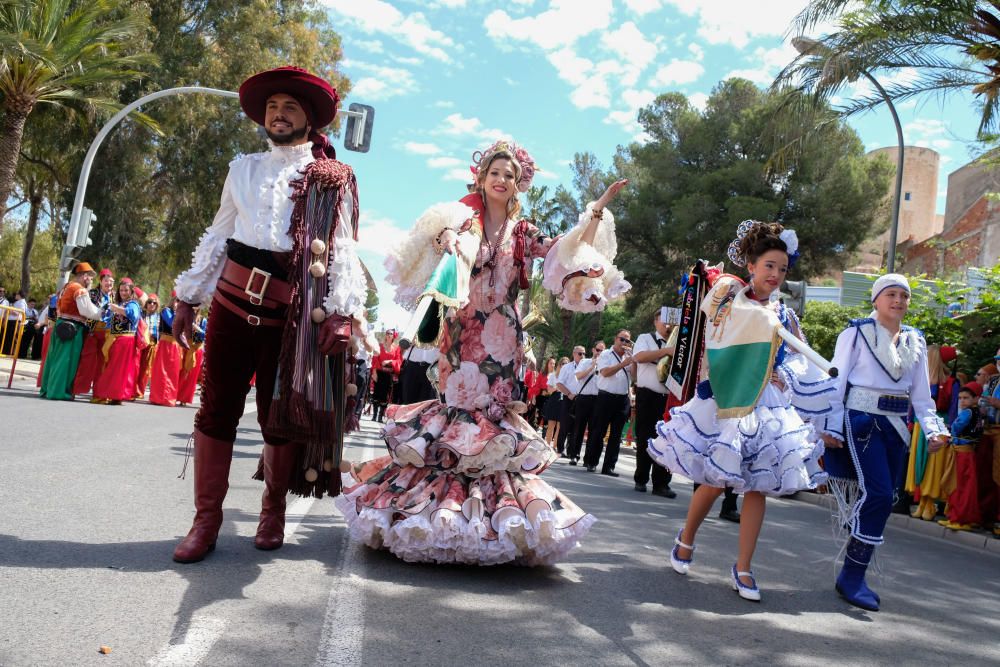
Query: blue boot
[[851, 580]]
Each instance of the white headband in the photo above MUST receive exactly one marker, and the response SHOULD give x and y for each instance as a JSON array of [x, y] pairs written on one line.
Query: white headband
[[887, 281]]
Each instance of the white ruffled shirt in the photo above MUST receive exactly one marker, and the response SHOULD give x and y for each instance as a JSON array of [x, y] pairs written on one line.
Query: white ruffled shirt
[[256, 209], [859, 367]]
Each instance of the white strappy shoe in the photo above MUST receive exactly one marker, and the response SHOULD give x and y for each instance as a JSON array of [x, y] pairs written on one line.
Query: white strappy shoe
[[751, 593], [680, 565]]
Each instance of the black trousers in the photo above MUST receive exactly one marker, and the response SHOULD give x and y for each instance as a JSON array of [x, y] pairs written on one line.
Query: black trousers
[[649, 407], [566, 424], [609, 410], [584, 405], [414, 386], [363, 380]]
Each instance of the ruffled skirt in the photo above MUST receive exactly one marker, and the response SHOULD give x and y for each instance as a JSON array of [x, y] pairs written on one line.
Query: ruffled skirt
[[771, 450], [458, 488]]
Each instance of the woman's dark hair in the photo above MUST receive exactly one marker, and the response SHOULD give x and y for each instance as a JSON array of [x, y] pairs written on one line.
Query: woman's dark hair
[[760, 238]]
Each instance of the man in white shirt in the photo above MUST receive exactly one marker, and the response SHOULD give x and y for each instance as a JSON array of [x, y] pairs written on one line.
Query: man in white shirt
[[568, 386], [10, 331], [650, 401], [615, 370], [256, 263], [586, 399]]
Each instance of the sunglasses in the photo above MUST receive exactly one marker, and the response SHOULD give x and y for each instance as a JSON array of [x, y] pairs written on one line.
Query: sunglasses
[[624, 339], [578, 352]]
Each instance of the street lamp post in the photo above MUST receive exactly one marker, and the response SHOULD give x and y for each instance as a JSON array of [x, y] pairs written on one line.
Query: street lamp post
[[808, 46]]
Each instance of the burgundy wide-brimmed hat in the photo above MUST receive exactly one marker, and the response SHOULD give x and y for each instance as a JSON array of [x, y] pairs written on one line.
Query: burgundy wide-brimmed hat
[[318, 98]]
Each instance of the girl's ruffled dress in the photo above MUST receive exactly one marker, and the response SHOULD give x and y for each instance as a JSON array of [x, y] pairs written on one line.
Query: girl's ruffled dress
[[774, 450], [460, 482]]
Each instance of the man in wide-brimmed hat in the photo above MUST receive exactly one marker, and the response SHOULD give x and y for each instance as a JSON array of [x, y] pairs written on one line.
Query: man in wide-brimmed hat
[[285, 283], [75, 308]]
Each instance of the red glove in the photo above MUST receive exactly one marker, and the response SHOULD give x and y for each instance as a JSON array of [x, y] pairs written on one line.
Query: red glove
[[183, 326], [334, 334]]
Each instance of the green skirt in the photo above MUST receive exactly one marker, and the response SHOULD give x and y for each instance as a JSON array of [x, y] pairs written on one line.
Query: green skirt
[[61, 363]]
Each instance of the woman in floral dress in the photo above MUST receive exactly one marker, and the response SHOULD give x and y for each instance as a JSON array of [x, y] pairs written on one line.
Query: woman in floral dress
[[460, 482]]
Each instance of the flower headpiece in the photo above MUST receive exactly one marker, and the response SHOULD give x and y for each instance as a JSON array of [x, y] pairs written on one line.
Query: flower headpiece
[[480, 159], [788, 237]]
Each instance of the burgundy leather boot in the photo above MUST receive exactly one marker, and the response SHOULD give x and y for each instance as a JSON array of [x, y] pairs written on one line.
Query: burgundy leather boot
[[278, 461], [212, 459]]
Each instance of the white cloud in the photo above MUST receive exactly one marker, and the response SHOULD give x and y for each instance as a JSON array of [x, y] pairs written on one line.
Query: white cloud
[[699, 101], [697, 51], [634, 51], [678, 72], [443, 162], [641, 7], [372, 45], [928, 132], [373, 230], [592, 93], [384, 82], [627, 118], [458, 174], [444, 104], [561, 25], [759, 76], [421, 148], [736, 22], [458, 125], [569, 66], [413, 30]]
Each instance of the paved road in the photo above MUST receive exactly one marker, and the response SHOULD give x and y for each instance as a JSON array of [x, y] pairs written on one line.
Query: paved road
[[92, 507]]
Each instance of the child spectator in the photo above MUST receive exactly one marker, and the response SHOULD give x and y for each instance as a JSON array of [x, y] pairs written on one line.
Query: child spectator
[[967, 429]]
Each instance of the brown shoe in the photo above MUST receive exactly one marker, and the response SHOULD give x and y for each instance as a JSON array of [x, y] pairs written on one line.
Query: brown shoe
[[278, 461], [212, 459]]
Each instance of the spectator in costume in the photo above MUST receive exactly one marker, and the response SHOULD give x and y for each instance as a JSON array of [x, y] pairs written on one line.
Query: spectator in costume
[[966, 430], [988, 451], [91, 359], [191, 363], [386, 366], [151, 317], [121, 349], [75, 308], [165, 376]]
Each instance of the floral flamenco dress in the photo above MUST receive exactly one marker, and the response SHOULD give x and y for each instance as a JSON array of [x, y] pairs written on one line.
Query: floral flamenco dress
[[769, 444], [460, 482]]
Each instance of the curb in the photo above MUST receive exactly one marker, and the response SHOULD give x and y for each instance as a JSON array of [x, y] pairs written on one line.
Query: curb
[[974, 540]]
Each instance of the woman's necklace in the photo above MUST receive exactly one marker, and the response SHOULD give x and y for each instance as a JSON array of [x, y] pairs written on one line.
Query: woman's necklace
[[494, 247]]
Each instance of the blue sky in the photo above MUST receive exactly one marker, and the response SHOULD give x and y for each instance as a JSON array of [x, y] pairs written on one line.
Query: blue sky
[[448, 77]]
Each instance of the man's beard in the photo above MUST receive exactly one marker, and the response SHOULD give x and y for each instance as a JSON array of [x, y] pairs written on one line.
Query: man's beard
[[283, 140]]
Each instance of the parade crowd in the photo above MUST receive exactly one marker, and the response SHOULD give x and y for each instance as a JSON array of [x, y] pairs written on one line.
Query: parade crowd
[[726, 390], [111, 342]]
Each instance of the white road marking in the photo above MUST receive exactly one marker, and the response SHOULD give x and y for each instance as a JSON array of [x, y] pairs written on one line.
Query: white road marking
[[298, 508], [201, 635], [343, 638]]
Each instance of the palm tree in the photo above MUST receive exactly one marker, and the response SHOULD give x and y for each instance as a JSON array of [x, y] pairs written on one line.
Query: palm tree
[[951, 45], [62, 52]]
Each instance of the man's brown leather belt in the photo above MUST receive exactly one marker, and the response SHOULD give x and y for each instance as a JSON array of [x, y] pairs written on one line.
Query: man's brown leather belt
[[258, 287]]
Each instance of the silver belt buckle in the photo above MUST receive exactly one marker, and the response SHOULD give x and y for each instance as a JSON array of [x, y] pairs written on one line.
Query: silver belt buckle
[[257, 298]]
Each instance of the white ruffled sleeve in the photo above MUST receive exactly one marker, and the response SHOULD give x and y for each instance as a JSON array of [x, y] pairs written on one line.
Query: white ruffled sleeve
[[197, 284], [410, 263], [570, 261], [348, 285]]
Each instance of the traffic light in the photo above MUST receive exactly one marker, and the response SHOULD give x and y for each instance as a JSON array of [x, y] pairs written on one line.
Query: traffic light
[[793, 295], [358, 133], [77, 238]]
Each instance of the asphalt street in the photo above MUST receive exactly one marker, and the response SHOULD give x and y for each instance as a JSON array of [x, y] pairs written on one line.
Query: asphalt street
[[92, 507]]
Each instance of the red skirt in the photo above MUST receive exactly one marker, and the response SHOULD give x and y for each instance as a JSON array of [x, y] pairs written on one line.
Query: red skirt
[[165, 377], [963, 503], [190, 376], [145, 368], [117, 380], [91, 363], [45, 352]]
